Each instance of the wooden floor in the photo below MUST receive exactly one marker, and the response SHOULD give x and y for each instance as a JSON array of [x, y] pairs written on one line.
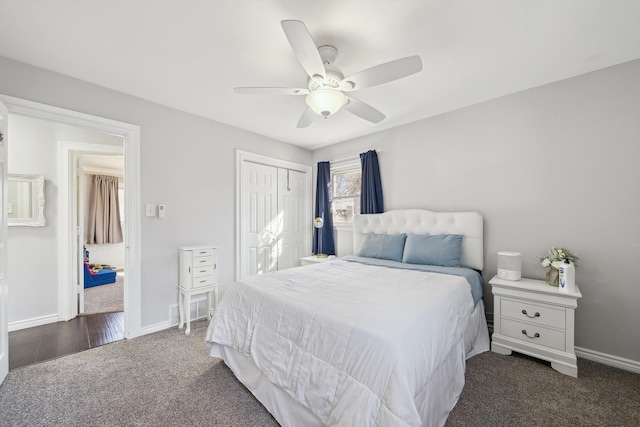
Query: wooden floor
[[33, 345]]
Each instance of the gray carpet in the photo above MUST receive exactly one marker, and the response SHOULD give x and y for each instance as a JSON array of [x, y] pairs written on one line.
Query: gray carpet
[[518, 390], [105, 298], [168, 379], [162, 379]]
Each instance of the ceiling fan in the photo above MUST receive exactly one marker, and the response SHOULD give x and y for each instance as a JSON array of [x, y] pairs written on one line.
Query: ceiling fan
[[326, 84]]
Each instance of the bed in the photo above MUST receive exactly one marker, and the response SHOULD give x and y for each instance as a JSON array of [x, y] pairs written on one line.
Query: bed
[[376, 339]]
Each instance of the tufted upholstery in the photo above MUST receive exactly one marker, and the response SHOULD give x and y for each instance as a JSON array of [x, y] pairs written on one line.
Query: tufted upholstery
[[419, 221]]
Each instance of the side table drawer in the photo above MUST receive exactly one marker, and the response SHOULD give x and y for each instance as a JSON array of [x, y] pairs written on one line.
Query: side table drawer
[[202, 261], [546, 337], [534, 313], [202, 271], [203, 252], [203, 281]]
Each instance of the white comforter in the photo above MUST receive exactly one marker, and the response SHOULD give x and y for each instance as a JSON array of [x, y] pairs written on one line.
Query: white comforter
[[358, 345]]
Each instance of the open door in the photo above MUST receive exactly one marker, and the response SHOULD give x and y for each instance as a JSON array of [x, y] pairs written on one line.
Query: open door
[[78, 222], [4, 316]]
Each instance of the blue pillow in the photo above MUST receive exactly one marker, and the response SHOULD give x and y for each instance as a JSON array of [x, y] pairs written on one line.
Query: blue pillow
[[382, 246], [441, 249]]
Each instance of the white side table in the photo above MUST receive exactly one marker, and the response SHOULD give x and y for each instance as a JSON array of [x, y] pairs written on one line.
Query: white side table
[[308, 260], [536, 319], [184, 303]]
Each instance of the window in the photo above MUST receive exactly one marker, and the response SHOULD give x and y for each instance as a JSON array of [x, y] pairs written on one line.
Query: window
[[345, 185]]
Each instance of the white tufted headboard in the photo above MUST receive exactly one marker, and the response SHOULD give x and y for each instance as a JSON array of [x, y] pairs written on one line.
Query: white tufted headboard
[[420, 221]]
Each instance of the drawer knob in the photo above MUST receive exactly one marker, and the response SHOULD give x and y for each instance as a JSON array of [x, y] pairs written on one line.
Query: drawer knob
[[536, 335], [531, 317]]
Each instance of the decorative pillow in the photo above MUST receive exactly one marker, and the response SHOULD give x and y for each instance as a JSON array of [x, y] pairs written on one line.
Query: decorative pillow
[[441, 249], [383, 246]]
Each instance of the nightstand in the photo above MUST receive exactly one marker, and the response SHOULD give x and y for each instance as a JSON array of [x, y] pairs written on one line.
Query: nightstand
[[534, 318], [308, 260]]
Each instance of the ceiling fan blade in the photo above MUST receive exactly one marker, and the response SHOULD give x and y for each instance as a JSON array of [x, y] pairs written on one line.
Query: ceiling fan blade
[[382, 73], [271, 91], [304, 48], [363, 110], [307, 118]]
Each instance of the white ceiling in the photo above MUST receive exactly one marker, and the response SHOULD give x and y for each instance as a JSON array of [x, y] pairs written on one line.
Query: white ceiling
[[190, 54]]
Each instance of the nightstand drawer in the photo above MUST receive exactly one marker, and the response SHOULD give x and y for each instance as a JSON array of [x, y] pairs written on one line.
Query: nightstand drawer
[[527, 332], [534, 313]]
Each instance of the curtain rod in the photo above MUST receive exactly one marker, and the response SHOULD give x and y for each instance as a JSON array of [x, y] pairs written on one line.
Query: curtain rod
[[348, 159]]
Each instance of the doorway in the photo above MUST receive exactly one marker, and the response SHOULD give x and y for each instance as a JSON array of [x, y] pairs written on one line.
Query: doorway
[[129, 148], [101, 263], [71, 160]]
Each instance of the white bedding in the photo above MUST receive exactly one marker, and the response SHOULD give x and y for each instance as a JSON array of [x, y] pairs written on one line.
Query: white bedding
[[355, 344]]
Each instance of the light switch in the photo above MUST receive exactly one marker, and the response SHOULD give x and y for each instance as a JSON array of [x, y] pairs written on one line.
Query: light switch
[[160, 211], [150, 210]]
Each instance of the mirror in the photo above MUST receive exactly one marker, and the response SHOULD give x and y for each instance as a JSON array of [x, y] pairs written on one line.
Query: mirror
[[25, 200]]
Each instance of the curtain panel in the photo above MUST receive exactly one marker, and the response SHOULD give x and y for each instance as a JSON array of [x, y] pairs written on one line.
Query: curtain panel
[[103, 225], [323, 241], [371, 201]]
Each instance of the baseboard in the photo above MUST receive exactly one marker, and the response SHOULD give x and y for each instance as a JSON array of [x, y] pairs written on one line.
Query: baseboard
[[155, 328], [30, 323], [198, 310], [608, 359]]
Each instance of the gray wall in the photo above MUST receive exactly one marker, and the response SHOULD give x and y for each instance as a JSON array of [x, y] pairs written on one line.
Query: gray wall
[[557, 165], [187, 163]]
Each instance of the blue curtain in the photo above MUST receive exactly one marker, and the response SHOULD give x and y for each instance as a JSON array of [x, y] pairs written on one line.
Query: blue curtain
[[323, 210], [371, 191]]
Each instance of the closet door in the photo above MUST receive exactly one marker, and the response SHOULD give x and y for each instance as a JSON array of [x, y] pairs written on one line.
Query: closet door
[[291, 210], [259, 219]]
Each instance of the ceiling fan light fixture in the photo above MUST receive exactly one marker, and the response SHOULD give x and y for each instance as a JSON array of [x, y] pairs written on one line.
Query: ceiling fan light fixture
[[326, 101], [347, 85]]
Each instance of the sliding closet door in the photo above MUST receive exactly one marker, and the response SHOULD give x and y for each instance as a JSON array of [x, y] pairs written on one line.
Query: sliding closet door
[[291, 210], [259, 219]]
